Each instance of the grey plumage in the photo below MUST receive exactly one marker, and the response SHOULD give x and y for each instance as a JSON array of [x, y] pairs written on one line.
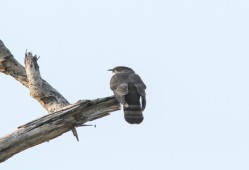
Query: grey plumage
[[128, 89]]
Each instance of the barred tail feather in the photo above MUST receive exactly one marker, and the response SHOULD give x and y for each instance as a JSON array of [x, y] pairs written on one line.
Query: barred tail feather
[[133, 114]]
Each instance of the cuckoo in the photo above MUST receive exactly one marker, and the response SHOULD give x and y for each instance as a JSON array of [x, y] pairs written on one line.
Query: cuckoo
[[129, 90]]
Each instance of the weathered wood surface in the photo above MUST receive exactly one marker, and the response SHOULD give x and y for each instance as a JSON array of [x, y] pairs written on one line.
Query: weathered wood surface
[[30, 77], [64, 117], [53, 125]]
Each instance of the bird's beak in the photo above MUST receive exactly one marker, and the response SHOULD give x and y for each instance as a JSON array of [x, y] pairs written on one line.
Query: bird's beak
[[110, 70]]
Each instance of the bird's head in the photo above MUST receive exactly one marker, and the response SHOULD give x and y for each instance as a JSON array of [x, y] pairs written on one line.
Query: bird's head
[[121, 69]]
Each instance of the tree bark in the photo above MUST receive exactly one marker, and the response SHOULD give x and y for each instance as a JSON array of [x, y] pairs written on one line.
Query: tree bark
[[53, 125], [64, 116]]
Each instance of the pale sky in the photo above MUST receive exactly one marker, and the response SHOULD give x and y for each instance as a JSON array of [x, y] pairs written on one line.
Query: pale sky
[[192, 54]]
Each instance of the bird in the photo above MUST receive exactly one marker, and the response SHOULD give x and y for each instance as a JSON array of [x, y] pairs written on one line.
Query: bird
[[129, 91]]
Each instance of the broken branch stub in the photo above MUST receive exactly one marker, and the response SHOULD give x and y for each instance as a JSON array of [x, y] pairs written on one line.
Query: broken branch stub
[[40, 90]]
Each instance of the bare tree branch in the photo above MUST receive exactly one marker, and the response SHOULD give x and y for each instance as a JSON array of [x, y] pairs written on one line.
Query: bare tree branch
[[53, 125], [10, 66], [49, 98], [64, 116], [40, 90]]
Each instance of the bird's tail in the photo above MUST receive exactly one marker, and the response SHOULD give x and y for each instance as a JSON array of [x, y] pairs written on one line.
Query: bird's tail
[[133, 114]]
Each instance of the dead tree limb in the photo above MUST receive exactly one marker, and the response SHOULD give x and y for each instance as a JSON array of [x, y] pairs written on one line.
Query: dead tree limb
[[40, 90], [49, 98], [53, 125], [64, 116]]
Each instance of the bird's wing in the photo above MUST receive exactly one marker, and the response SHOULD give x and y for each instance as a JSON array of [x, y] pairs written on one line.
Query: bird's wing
[[119, 87], [140, 86], [137, 81]]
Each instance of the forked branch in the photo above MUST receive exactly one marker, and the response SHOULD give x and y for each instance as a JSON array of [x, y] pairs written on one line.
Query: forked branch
[[64, 117]]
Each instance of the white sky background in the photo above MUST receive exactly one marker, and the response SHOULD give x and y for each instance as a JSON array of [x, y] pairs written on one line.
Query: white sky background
[[192, 54]]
